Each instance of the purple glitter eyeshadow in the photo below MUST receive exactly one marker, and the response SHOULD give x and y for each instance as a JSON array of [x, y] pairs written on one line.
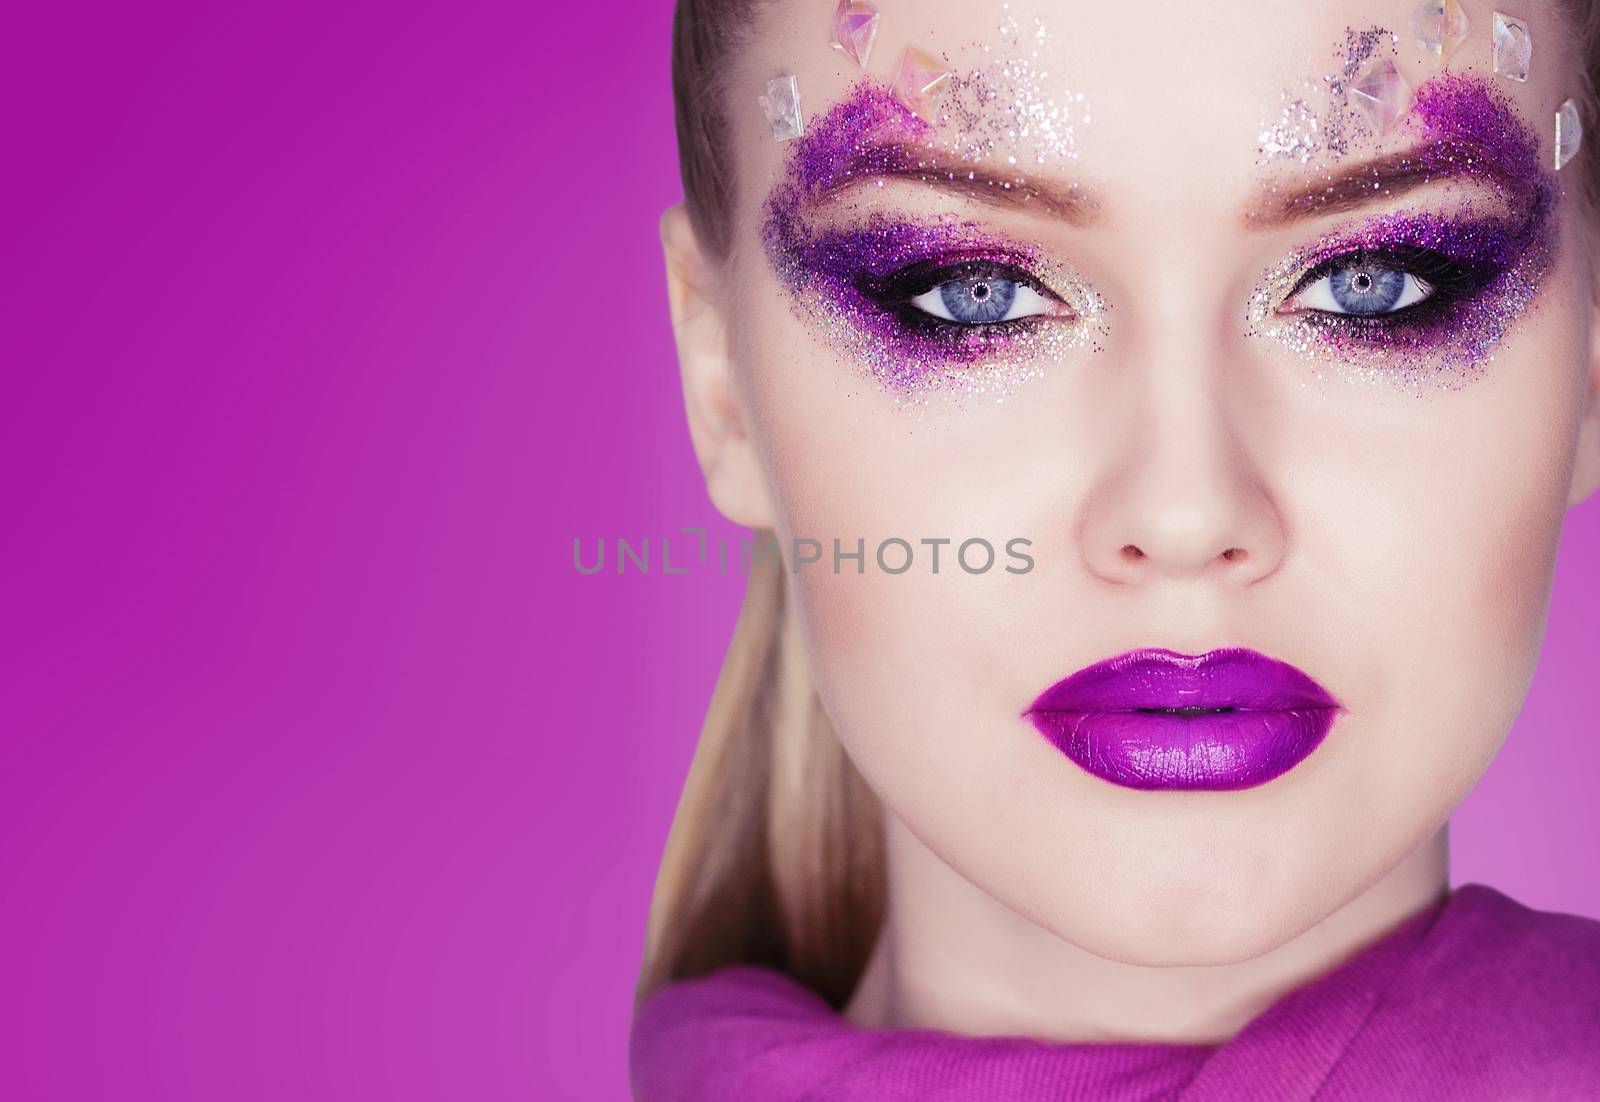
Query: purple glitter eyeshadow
[[1470, 110], [843, 277], [854, 275], [836, 274], [842, 266], [869, 133], [1485, 266]]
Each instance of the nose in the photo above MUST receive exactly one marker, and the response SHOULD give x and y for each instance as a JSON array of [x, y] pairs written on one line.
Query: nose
[[1184, 493]]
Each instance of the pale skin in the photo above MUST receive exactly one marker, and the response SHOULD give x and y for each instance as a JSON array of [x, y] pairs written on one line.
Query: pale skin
[[1399, 548]]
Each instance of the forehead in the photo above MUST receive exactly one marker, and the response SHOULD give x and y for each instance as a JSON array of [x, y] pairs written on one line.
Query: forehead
[[1136, 92]]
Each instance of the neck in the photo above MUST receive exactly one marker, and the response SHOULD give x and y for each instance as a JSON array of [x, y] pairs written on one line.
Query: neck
[[951, 957]]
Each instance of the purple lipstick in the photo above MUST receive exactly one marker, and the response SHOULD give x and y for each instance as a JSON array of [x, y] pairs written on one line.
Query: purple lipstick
[[1154, 718]]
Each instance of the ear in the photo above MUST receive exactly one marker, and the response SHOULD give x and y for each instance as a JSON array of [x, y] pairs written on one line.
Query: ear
[[718, 425], [1586, 467]]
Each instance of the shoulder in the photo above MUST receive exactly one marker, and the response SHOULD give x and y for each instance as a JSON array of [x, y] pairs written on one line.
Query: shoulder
[[1502, 998], [1491, 1000], [736, 992], [1486, 929], [712, 1037]]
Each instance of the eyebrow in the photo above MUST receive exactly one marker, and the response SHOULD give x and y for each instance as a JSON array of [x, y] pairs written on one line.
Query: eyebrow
[[1382, 178], [1347, 189], [1065, 201]]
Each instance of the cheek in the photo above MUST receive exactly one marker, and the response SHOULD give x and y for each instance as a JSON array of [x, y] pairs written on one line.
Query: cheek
[[1500, 516], [1446, 541], [1422, 541], [881, 615], [890, 652]]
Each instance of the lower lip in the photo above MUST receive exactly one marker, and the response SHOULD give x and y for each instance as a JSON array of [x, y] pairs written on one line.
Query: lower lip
[[1215, 750]]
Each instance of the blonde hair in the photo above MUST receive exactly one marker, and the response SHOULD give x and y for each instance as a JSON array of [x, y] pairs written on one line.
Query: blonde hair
[[775, 856]]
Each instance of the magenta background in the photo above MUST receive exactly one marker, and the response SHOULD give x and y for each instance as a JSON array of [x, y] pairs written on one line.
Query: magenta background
[[324, 775]]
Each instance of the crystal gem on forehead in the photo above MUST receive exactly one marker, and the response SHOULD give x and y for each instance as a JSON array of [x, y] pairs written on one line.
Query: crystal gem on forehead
[[855, 28], [1380, 94], [1440, 26], [1569, 133], [782, 107], [920, 81], [1513, 47]]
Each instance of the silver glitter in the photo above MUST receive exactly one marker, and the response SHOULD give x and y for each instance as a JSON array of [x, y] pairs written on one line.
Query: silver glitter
[[919, 379], [1446, 354], [1294, 135], [1359, 48], [1300, 132], [1003, 111], [1008, 115]]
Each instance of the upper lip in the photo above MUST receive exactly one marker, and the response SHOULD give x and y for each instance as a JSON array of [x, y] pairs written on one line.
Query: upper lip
[[1157, 678]]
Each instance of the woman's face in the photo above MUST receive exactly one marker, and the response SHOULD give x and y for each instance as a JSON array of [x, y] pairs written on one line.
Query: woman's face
[[1240, 373]]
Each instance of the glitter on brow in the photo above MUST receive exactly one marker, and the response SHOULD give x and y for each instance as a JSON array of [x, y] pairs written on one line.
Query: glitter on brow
[[1300, 133], [1006, 109], [1003, 115], [992, 124], [1456, 117], [1466, 129], [871, 134]]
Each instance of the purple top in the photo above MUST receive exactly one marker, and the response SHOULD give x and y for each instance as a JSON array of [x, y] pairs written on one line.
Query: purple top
[[1476, 998]]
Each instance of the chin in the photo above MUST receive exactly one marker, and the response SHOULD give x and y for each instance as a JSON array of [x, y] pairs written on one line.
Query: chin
[[1181, 922]]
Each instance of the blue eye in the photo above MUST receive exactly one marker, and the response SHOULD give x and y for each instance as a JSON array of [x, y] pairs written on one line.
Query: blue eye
[[981, 300], [1364, 289]]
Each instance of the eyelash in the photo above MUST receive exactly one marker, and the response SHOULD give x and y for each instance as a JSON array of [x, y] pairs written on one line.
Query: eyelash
[[1450, 283], [895, 292]]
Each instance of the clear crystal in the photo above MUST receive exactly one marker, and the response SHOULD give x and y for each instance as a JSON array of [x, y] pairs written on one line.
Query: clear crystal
[[855, 28], [1439, 25], [920, 81], [1513, 47], [1380, 94], [782, 105], [1569, 133]]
